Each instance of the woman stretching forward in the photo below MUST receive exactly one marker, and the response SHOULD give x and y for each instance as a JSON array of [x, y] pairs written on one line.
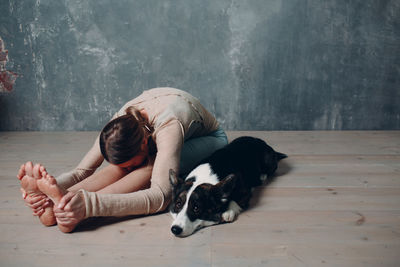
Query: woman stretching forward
[[162, 129]]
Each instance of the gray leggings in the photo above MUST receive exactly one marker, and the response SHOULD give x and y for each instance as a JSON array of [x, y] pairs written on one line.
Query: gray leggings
[[196, 149]]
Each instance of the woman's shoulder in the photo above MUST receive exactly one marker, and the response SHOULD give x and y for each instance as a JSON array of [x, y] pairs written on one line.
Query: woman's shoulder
[[172, 132], [162, 91]]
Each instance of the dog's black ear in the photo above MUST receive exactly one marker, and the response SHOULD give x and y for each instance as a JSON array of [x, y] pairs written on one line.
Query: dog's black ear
[[173, 178], [226, 186]]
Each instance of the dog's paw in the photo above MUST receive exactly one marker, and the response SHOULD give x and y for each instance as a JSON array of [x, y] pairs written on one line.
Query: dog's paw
[[229, 216], [232, 212], [263, 178]]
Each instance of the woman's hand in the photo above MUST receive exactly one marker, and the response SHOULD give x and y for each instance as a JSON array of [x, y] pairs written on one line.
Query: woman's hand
[[37, 203], [71, 209]]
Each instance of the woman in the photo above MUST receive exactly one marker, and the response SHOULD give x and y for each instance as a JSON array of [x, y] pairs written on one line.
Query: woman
[[162, 129]]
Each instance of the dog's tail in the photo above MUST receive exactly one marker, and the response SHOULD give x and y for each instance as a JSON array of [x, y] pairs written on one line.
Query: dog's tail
[[280, 155], [271, 161]]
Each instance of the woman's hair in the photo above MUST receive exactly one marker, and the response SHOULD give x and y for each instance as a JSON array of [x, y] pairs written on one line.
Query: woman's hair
[[121, 138]]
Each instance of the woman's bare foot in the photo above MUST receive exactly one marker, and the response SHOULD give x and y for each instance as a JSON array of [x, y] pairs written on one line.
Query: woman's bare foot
[[28, 175], [48, 185]]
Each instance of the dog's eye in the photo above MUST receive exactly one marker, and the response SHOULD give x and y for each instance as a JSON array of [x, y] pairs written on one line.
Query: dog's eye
[[178, 204], [196, 208]]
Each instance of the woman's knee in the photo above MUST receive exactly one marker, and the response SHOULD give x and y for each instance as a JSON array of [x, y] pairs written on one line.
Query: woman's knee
[[196, 149]]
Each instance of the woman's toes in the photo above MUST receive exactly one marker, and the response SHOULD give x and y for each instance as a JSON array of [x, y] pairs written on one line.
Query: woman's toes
[[35, 171], [29, 168], [21, 172], [42, 170]]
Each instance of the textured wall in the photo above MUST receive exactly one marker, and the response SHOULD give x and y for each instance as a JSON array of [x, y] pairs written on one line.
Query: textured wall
[[256, 64]]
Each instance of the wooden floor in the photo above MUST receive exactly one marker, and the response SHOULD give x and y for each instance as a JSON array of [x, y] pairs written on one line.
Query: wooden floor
[[335, 202]]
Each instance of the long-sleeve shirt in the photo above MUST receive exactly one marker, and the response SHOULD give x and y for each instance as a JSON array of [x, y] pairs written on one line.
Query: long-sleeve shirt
[[175, 116]]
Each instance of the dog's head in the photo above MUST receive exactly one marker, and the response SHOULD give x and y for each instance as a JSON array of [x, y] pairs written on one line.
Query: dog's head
[[199, 200]]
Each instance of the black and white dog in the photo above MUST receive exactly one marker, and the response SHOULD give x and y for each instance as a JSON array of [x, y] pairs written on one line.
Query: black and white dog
[[218, 189]]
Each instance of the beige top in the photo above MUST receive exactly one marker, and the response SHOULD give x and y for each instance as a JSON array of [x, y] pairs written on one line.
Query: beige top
[[175, 116]]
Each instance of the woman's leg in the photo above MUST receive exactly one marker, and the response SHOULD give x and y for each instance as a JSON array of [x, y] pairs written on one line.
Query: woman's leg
[[134, 181], [99, 180], [196, 149]]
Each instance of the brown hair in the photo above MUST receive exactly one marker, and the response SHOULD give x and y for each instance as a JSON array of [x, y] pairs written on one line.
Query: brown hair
[[121, 138]]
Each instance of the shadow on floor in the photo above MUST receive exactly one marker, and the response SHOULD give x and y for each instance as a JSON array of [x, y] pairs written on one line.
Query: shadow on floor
[[95, 223]]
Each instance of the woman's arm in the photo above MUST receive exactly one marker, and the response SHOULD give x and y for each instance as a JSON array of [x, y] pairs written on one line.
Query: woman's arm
[[88, 165], [169, 142], [72, 209], [154, 199]]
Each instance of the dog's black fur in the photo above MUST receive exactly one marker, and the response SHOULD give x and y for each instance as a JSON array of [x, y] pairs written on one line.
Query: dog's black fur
[[247, 158], [238, 167]]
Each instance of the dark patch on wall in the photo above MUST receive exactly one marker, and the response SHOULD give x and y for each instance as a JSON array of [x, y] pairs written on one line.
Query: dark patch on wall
[[257, 65], [7, 78]]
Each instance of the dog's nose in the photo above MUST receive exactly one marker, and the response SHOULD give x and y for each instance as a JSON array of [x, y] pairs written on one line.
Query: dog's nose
[[176, 230]]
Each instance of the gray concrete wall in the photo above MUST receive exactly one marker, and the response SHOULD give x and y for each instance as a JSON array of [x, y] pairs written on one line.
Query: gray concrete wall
[[256, 64]]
